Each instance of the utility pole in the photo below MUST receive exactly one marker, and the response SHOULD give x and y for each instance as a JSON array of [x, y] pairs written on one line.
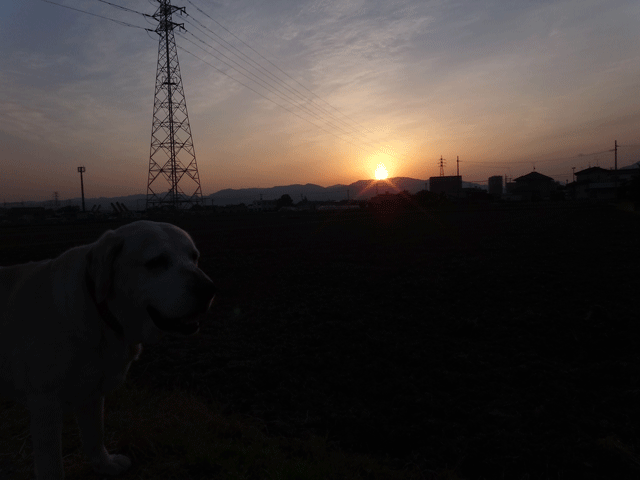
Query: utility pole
[[457, 166], [615, 163], [81, 170], [441, 166], [172, 155], [574, 173]]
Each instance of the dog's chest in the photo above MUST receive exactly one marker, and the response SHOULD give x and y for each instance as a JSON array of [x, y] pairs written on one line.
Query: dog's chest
[[115, 363]]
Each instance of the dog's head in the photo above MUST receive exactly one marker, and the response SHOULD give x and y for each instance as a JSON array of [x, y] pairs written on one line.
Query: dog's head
[[145, 277]]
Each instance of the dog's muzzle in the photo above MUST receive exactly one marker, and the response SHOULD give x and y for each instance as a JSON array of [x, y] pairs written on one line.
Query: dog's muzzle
[[184, 325], [189, 324]]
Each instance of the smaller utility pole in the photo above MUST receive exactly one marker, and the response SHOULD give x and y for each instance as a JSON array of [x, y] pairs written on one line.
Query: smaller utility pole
[[457, 166], [441, 166], [615, 175], [81, 170]]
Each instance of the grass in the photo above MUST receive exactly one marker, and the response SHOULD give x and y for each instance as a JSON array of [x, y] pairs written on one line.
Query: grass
[[456, 343], [176, 435]]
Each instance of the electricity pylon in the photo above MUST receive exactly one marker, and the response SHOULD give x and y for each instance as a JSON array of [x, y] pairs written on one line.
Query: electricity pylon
[[172, 156]]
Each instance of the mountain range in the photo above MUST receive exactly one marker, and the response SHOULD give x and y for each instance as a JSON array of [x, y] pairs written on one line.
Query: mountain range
[[360, 190]]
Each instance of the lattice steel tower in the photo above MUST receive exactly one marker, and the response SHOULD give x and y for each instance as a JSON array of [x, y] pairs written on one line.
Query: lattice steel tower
[[172, 158]]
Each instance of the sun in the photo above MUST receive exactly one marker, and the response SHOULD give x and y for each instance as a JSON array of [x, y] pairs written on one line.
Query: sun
[[381, 172]]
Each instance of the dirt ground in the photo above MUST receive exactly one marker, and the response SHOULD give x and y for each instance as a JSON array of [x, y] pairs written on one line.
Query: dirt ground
[[496, 341]]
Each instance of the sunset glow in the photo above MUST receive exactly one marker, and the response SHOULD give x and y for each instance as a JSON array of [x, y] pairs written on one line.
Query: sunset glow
[[351, 91], [381, 172]]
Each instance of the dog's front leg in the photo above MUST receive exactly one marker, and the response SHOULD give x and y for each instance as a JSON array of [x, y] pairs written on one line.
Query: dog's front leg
[[90, 419], [46, 436]]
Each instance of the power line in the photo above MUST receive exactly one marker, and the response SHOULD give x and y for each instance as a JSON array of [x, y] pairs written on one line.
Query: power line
[[255, 77], [255, 91], [520, 162], [255, 64], [274, 65], [267, 85], [273, 101], [96, 15], [125, 8], [271, 90]]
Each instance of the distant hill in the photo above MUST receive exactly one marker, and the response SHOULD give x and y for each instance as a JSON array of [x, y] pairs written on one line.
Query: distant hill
[[297, 192], [360, 190]]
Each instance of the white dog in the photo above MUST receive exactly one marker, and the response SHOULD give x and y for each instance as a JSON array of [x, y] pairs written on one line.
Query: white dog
[[70, 328]]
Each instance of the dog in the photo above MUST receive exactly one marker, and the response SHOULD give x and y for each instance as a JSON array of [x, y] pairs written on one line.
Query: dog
[[70, 328]]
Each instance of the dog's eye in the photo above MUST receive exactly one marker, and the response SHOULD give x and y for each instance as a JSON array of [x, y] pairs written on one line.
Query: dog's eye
[[161, 261]]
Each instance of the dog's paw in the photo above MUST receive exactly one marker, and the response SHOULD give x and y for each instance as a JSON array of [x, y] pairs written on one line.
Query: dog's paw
[[112, 465]]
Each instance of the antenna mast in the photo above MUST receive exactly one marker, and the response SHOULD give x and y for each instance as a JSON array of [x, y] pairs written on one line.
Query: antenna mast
[[172, 155]]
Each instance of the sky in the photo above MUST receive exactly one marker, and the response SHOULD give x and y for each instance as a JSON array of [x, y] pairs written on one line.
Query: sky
[[505, 86]]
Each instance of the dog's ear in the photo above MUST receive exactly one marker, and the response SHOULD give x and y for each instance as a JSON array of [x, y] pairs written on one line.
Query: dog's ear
[[100, 263]]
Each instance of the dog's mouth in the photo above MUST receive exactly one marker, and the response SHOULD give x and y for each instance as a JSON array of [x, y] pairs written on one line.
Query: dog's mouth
[[187, 325]]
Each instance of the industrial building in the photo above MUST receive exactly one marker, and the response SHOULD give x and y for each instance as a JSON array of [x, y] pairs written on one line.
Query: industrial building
[[451, 186], [495, 186]]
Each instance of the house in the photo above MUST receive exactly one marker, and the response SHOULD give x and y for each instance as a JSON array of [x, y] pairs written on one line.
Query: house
[[596, 183], [534, 186], [628, 173]]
